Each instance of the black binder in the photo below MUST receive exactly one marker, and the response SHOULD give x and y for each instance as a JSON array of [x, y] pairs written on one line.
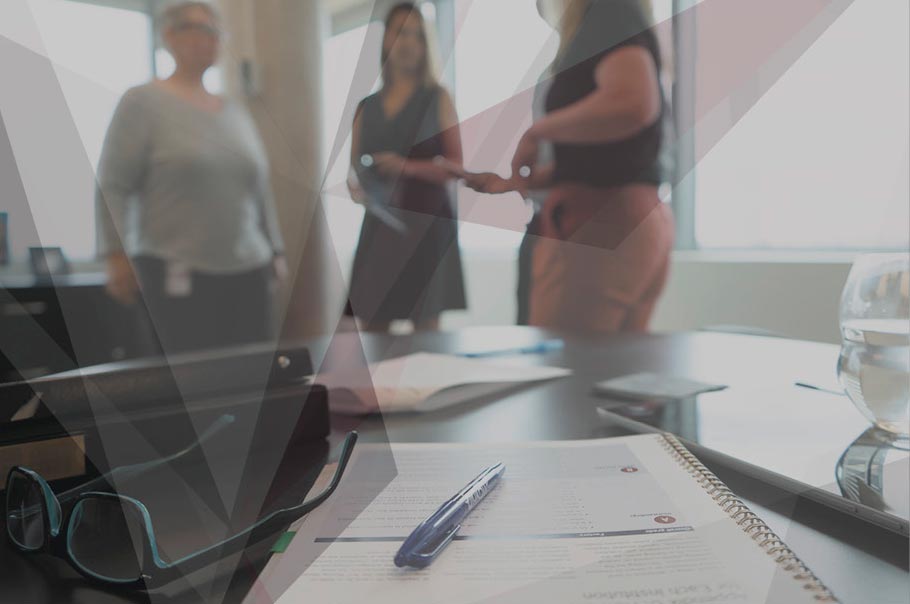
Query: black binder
[[163, 399]]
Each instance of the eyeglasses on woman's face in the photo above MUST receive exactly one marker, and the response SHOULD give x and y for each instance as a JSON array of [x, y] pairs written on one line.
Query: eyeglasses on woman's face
[[198, 28]]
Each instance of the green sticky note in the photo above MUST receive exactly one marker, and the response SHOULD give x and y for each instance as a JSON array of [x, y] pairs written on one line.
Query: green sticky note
[[283, 542]]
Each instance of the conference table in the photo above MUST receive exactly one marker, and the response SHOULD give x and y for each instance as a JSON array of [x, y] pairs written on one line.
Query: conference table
[[860, 562]]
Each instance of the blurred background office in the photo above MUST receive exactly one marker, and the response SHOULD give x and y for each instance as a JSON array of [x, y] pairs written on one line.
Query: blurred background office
[[772, 204]]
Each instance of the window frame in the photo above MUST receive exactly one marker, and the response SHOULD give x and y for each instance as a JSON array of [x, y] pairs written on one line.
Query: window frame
[[683, 96]]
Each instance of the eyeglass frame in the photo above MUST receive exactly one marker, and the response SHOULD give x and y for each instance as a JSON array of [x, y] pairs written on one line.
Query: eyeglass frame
[[154, 571], [193, 27]]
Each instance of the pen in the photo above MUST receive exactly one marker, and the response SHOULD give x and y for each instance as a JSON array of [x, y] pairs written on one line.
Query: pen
[[819, 388], [433, 534], [538, 348]]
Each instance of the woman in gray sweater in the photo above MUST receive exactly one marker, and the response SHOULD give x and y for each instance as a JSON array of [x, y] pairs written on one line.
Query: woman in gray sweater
[[185, 210]]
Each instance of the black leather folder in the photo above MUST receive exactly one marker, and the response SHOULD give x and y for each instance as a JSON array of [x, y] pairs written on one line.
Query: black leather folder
[[164, 400]]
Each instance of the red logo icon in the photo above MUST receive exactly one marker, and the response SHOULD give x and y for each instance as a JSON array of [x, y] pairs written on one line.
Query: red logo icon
[[664, 519], [629, 469]]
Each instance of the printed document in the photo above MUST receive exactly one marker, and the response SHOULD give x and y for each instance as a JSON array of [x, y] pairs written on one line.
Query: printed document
[[617, 521]]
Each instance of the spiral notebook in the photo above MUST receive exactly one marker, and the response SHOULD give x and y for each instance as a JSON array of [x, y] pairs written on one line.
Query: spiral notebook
[[628, 520]]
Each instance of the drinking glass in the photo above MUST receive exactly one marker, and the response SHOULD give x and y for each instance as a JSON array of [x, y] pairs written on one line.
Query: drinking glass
[[874, 363]]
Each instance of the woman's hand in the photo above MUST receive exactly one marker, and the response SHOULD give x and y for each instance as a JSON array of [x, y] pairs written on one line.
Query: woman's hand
[[489, 182], [121, 280], [280, 268], [358, 195], [524, 161], [389, 164]]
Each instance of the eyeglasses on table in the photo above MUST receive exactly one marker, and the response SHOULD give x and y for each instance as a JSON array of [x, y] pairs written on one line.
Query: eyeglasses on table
[[109, 538]]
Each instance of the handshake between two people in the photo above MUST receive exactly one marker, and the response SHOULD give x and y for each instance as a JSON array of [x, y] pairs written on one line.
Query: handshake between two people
[[527, 173]]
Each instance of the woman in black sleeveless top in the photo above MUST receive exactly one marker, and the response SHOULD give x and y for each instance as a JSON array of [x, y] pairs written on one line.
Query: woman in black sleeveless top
[[602, 240], [407, 264]]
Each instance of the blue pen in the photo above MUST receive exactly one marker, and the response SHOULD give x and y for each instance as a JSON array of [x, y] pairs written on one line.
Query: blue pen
[[433, 534], [538, 348]]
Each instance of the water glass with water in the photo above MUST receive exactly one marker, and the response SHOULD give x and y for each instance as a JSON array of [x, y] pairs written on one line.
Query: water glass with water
[[874, 363]]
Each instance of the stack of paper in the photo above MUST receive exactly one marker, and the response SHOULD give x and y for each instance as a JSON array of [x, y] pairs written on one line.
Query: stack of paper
[[618, 521], [425, 382]]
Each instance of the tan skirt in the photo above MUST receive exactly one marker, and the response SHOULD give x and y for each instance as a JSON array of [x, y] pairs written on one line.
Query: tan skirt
[[602, 259]]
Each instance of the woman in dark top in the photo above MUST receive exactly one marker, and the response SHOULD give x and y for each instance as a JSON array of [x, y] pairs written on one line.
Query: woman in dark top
[[602, 239], [407, 264]]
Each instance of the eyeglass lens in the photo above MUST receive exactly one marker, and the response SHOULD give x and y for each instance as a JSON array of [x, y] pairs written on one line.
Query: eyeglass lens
[[25, 512], [105, 538], [199, 28]]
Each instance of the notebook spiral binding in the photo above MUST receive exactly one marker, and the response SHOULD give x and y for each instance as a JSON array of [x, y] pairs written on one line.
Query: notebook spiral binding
[[751, 524]]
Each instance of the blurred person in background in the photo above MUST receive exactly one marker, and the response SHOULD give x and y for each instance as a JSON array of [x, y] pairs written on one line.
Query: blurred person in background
[[598, 248], [407, 265], [185, 210]]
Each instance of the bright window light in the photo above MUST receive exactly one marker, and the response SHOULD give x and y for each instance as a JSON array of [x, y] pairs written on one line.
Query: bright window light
[[821, 161], [98, 53], [491, 68], [341, 54]]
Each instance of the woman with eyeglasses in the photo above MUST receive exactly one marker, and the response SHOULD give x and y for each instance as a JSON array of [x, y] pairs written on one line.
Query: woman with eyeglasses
[[408, 264], [185, 209]]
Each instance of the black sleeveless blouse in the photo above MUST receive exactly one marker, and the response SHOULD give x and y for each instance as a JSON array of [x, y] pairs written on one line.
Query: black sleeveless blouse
[[416, 274], [607, 26], [415, 133]]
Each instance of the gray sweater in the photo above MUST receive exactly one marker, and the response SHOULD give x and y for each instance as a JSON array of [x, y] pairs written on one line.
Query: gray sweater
[[186, 185]]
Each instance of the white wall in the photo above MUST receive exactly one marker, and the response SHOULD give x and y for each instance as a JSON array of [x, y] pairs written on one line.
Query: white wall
[[283, 38], [797, 297]]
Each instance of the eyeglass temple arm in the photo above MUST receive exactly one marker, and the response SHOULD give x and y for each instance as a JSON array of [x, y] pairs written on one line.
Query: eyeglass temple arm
[[265, 527], [130, 471]]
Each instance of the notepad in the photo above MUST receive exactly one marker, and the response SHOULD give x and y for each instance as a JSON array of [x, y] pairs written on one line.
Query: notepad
[[631, 520], [424, 382]]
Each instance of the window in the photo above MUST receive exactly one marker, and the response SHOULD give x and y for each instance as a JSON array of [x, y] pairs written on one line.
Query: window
[[97, 52], [341, 54], [821, 160], [489, 71]]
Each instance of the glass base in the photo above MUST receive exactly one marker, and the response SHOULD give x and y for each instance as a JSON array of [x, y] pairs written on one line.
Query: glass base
[[891, 439]]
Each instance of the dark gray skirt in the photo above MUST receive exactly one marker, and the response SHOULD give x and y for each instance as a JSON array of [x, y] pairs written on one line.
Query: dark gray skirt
[[416, 275]]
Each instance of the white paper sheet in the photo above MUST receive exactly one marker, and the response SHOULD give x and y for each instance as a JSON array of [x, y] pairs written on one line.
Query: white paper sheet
[[618, 521], [425, 382]]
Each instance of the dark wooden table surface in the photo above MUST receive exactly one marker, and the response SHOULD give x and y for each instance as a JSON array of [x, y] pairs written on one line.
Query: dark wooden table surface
[[862, 564]]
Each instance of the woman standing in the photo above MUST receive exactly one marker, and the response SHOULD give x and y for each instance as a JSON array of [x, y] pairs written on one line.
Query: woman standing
[[407, 264], [602, 239], [184, 201]]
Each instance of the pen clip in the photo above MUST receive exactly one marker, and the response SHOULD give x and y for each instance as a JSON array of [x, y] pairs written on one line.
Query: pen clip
[[423, 558]]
